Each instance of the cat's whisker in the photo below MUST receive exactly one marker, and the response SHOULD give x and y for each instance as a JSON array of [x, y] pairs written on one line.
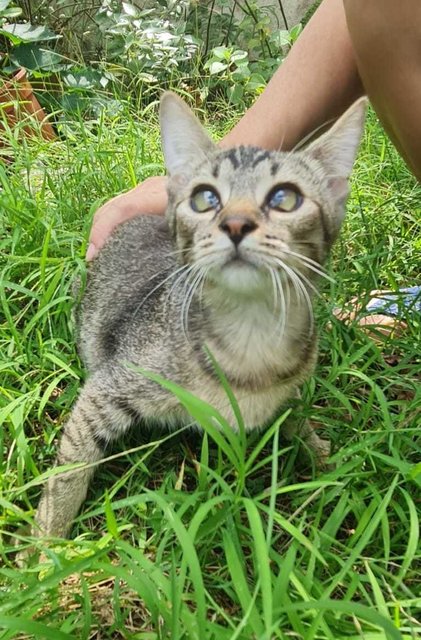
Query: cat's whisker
[[283, 300], [157, 273], [205, 275], [318, 130], [320, 273], [158, 286], [307, 281], [284, 309], [188, 285], [274, 287], [282, 142], [311, 264], [180, 282], [300, 289], [176, 254], [188, 297], [302, 256], [284, 268], [198, 289]]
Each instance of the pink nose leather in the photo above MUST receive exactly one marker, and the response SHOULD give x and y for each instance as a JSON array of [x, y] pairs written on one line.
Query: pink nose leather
[[237, 227]]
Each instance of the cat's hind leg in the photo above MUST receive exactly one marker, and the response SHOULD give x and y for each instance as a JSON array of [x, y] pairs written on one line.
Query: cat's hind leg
[[319, 447], [303, 429], [97, 419]]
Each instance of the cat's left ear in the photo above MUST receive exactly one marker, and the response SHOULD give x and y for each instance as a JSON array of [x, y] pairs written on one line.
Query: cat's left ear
[[337, 148], [184, 141]]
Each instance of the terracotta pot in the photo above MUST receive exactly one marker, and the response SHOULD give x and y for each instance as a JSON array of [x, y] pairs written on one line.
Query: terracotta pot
[[18, 104]]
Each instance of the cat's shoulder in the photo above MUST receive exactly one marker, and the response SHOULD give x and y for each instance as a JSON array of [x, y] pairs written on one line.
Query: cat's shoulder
[[145, 228], [136, 239]]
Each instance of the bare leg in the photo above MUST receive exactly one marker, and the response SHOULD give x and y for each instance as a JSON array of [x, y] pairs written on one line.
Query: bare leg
[[386, 38]]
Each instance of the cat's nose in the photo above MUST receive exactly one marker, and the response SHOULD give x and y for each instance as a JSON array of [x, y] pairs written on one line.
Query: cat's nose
[[237, 227]]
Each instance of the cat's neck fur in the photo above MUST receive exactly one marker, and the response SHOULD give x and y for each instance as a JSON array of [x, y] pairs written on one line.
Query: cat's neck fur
[[254, 338]]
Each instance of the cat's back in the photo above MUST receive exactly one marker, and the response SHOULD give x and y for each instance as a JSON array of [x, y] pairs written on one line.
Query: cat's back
[[123, 284], [136, 250]]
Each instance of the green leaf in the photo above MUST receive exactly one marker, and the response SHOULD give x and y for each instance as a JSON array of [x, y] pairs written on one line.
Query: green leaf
[[35, 58], [174, 521], [230, 395], [241, 74], [27, 32], [130, 9], [85, 79], [236, 565], [350, 609], [295, 32], [206, 416], [33, 629], [261, 561], [295, 533], [222, 53], [236, 93], [112, 525], [216, 67], [13, 12], [239, 55], [415, 471], [283, 38]]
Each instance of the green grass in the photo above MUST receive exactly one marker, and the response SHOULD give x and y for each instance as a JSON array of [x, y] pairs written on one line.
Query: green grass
[[214, 537]]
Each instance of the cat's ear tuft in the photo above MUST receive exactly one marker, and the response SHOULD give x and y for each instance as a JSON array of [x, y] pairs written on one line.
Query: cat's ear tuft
[[338, 147], [185, 142]]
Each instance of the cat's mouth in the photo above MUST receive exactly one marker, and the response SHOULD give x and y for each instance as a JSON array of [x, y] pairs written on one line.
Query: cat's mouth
[[240, 273], [241, 259], [238, 261]]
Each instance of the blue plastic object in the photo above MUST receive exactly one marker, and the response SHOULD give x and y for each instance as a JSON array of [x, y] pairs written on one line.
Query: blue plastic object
[[392, 303]]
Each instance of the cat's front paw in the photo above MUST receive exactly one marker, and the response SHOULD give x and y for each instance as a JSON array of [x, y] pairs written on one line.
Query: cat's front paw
[[322, 450], [27, 552]]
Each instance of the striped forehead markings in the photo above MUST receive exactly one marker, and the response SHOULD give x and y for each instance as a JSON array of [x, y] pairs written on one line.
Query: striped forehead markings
[[244, 156], [260, 158], [232, 157]]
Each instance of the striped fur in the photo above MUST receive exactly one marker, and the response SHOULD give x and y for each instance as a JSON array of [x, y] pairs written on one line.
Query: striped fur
[[239, 278]]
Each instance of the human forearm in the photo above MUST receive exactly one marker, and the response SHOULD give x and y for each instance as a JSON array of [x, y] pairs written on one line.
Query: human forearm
[[317, 81]]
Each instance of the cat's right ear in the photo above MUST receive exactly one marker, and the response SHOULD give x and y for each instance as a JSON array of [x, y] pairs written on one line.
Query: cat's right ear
[[185, 142]]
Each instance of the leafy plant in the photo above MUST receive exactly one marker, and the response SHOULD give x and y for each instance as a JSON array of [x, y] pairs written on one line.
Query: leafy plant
[[231, 69], [151, 42], [214, 48], [20, 41]]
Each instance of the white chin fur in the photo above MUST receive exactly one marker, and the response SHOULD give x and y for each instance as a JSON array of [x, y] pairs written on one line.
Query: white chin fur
[[241, 277]]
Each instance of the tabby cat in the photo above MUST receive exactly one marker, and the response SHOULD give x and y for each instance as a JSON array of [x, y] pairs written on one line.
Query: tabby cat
[[234, 267]]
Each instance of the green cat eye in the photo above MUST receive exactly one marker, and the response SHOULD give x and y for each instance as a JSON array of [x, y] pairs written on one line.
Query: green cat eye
[[204, 199], [284, 198]]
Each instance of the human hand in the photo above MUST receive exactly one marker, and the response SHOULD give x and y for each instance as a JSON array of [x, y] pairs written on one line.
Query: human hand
[[149, 197]]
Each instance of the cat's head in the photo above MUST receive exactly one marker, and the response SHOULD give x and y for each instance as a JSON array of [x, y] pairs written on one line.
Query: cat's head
[[245, 213]]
